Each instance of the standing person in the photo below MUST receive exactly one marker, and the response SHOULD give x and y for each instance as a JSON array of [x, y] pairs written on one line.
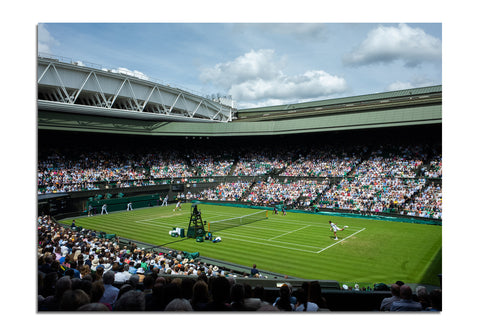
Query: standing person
[[335, 228], [284, 211], [104, 209], [165, 201], [178, 206], [90, 210], [254, 271], [129, 206]]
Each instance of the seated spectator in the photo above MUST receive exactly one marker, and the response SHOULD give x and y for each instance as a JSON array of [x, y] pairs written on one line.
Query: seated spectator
[[122, 275], [303, 305], [284, 301], [111, 292], [387, 302], [130, 301], [200, 296], [52, 302], [238, 298], [220, 291], [406, 303], [435, 297], [421, 294], [93, 307], [73, 299], [179, 304], [317, 297], [97, 291]]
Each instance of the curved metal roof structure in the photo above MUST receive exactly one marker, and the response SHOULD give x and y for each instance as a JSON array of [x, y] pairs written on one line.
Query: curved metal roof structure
[[78, 98], [76, 89]]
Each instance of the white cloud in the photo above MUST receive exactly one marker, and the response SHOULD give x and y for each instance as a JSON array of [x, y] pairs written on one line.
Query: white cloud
[[45, 39], [308, 85], [250, 66], [387, 44], [257, 76]]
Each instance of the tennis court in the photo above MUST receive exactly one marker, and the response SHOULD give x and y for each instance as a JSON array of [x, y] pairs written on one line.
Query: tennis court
[[279, 231], [297, 244]]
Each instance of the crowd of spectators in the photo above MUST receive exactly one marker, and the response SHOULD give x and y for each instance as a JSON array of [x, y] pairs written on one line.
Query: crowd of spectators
[[79, 271], [370, 194], [427, 204], [254, 164], [323, 163], [168, 165], [232, 191], [207, 164], [391, 161], [57, 173], [381, 178], [434, 168], [272, 191], [404, 300]]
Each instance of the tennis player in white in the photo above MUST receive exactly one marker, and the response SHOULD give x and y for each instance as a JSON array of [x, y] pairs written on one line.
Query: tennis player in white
[[335, 228]]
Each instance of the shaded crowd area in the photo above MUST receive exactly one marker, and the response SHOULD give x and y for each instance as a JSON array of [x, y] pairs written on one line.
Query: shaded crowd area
[[393, 172]]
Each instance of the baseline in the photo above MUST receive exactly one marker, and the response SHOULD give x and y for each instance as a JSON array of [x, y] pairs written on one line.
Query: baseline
[[351, 235]]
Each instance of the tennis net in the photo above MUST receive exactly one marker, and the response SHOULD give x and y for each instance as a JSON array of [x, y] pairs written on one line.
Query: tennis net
[[223, 224]]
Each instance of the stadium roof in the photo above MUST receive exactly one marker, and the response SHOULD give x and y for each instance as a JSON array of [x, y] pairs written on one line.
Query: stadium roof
[[419, 106], [73, 88], [352, 99], [393, 99]]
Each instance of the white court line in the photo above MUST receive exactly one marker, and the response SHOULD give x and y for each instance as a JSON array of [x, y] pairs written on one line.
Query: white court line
[[271, 245], [159, 224], [281, 235], [288, 222], [260, 239], [162, 224], [159, 217], [249, 226], [281, 220], [294, 221], [351, 235], [276, 230]]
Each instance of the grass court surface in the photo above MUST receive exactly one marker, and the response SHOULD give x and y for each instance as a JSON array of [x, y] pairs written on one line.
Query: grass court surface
[[297, 244]]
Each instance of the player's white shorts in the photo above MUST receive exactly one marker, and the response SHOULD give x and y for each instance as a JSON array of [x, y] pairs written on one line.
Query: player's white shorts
[[335, 228]]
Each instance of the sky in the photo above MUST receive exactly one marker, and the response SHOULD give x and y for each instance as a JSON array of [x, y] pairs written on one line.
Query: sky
[[259, 64]]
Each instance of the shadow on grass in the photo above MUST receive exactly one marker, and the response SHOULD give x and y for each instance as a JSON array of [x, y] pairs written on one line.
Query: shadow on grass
[[434, 269]]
